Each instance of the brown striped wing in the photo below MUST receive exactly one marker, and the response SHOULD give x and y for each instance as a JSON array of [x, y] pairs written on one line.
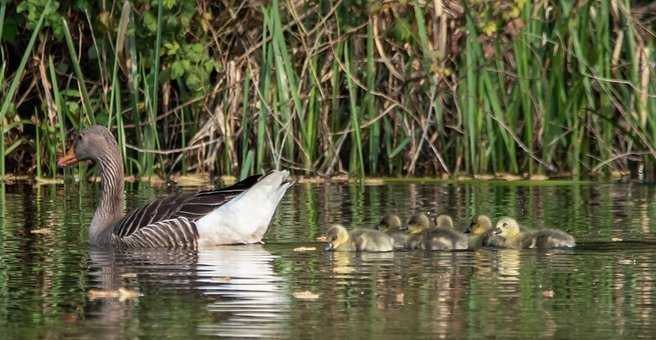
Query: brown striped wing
[[191, 206], [179, 232]]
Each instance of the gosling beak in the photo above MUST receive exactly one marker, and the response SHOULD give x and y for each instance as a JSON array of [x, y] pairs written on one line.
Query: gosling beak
[[328, 247], [497, 231], [469, 229], [414, 229], [68, 159]]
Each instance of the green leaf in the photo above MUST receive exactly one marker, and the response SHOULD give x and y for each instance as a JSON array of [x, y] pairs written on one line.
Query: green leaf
[[73, 107], [193, 82], [402, 31], [400, 147], [150, 21], [82, 5], [172, 48], [177, 70], [22, 7], [211, 65], [169, 4]]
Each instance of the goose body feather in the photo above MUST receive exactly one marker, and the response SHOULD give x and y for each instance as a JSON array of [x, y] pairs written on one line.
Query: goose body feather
[[239, 214], [189, 205], [179, 232]]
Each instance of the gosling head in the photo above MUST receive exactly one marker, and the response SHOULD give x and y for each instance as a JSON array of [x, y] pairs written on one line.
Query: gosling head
[[390, 222], [418, 223], [507, 228], [480, 225], [444, 221], [336, 236]]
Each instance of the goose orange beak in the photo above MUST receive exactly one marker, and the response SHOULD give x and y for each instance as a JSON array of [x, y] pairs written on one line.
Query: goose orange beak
[[68, 159]]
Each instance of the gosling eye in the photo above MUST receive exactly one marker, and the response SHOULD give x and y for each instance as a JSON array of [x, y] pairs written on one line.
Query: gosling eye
[[505, 224]]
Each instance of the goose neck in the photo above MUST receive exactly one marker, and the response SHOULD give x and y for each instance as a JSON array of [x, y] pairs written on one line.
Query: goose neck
[[110, 208]]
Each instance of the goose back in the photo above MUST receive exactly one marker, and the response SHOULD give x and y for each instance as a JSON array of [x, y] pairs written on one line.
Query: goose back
[[178, 210]]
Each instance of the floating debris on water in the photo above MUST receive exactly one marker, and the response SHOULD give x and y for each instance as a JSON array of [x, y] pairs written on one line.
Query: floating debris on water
[[374, 181], [41, 231], [508, 177], [306, 295], [122, 294], [484, 177], [538, 177], [400, 298]]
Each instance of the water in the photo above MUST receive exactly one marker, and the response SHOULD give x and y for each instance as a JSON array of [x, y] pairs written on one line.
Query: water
[[50, 281]]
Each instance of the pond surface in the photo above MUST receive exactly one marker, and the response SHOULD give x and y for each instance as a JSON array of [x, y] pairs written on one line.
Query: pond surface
[[51, 285]]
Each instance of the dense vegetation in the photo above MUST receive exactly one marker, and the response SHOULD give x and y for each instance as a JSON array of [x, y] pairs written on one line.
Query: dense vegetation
[[326, 87]]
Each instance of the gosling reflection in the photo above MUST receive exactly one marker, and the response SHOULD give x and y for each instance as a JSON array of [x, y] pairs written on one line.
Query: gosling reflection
[[341, 262], [243, 295], [349, 262], [509, 263]]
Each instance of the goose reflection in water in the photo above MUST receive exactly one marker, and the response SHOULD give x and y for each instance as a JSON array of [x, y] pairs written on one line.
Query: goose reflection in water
[[239, 293]]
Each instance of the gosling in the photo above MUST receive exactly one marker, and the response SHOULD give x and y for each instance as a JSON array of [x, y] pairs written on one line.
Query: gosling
[[418, 223], [359, 240], [441, 237], [481, 234], [392, 226], [509, 229], [444, 221]]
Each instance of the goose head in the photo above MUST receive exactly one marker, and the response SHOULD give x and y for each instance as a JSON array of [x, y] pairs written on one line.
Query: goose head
[[91, 144]]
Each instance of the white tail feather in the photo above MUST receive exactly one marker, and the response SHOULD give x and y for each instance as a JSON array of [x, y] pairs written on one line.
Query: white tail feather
[[245, 218]]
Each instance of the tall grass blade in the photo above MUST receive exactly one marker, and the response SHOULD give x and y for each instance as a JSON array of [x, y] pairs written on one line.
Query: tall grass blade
[[86, 102], [58, 103], [18, 75], [355, 114]]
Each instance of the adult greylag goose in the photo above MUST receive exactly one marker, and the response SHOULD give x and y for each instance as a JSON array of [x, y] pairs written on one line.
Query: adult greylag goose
[[238, 214]]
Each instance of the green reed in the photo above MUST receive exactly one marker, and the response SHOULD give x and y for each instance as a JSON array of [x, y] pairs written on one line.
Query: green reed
[[84, 93], [374, 149], [350, 89], [357, 160], [263, 95], [18, 75]]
